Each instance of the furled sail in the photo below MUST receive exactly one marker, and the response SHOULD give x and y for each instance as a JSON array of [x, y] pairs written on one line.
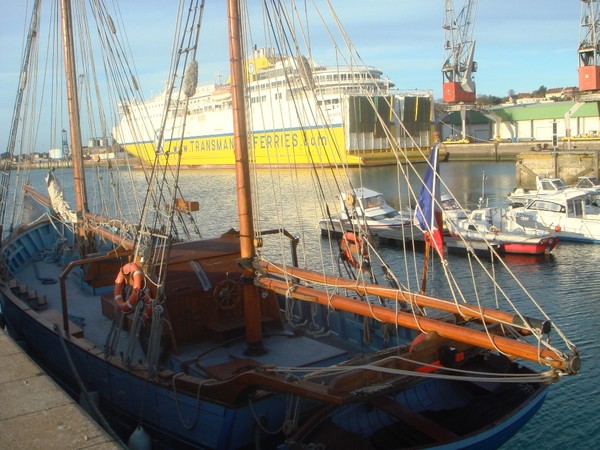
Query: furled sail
[[57, 199]]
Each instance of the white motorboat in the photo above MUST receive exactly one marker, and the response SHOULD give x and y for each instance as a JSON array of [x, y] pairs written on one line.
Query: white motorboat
[[365, 209], [568, 212], [543, 186], [491, 225]]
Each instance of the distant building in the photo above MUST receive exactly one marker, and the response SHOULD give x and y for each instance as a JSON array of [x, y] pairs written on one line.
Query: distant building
[[524, 122], [558, 94], [478, 126], [534, 122], [55, 153]]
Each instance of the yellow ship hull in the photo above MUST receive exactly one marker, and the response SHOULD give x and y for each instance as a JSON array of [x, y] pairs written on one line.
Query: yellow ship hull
[[296, 148]]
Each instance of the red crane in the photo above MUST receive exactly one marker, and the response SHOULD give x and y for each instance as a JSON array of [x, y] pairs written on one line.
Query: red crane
[[459, 48], [589, 68]]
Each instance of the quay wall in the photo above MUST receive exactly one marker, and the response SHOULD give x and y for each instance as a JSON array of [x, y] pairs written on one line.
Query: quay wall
[[535, 158], [56, 163]]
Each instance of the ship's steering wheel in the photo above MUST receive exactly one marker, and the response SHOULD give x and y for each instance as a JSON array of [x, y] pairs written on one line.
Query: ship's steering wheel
[[227, 293]]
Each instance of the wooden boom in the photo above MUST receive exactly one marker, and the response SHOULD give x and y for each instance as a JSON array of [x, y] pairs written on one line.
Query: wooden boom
[[423, 301], [531, 352]]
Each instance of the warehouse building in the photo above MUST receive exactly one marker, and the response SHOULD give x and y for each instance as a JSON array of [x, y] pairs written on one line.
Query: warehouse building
[[524, 122]]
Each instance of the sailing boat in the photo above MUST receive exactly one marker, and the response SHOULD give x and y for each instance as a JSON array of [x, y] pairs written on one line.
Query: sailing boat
[[237, 341]]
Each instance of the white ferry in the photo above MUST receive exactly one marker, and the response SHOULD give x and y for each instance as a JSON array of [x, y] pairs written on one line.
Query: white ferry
[[339, 123]]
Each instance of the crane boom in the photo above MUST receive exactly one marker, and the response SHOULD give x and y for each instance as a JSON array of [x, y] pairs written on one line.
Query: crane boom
[[589, 27], [459, 48]]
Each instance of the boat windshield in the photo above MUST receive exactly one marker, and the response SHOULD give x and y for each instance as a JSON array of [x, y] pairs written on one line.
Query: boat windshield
[[374, 202], [450, 204], [553, 185], [588, 182], [544, 205]]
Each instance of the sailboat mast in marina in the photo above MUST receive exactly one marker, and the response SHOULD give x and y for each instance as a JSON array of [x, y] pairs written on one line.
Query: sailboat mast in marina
[[204, 309], [242, 170], [74, 123]]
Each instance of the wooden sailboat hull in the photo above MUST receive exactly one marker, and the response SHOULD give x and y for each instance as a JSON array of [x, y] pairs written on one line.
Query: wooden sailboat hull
[[180, 417], [127, 398], [174, 419], [376, 425]]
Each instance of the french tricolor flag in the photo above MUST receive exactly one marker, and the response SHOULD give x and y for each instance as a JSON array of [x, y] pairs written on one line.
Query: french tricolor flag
[[429, 213]]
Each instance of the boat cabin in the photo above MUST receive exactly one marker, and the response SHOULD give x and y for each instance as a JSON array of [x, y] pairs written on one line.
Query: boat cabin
[[367, 203]]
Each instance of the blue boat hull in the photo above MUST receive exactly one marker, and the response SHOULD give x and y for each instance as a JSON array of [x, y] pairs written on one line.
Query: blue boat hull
[[179, 421]]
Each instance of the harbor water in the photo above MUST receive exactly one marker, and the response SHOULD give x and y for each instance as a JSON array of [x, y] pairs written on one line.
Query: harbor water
[[565, 283]]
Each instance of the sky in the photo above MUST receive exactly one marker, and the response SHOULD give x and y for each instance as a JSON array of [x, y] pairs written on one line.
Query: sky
[[520, 45]]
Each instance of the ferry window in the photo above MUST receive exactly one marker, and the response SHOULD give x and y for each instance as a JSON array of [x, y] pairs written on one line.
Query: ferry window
[[343, 77]]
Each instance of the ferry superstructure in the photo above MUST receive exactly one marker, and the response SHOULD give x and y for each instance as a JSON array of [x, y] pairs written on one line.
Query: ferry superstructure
[[288, 93]]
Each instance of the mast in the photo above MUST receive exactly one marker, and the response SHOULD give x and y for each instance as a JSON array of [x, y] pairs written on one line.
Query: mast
[[74, 123], [242, 169]]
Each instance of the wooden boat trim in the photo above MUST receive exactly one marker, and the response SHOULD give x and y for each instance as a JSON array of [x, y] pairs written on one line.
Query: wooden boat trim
[[477, 338], [464, 310]]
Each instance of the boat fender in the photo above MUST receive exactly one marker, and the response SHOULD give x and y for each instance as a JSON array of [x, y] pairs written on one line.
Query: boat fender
[[353, 250], [139, 440], [557, 228], [121, 280]]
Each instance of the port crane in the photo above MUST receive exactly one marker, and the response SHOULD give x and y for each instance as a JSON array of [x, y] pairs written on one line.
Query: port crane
[[589, 61], [589, 65], [459, 49]]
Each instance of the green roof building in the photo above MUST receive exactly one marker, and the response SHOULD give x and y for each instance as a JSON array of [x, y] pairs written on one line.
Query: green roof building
[[525, 122]]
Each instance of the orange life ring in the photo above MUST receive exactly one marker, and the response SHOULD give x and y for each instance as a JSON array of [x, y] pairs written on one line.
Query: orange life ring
[[136, 288], [353, 249]]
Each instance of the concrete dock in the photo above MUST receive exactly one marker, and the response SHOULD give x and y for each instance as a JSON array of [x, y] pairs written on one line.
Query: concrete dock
[[36, 413], [508, 151]]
